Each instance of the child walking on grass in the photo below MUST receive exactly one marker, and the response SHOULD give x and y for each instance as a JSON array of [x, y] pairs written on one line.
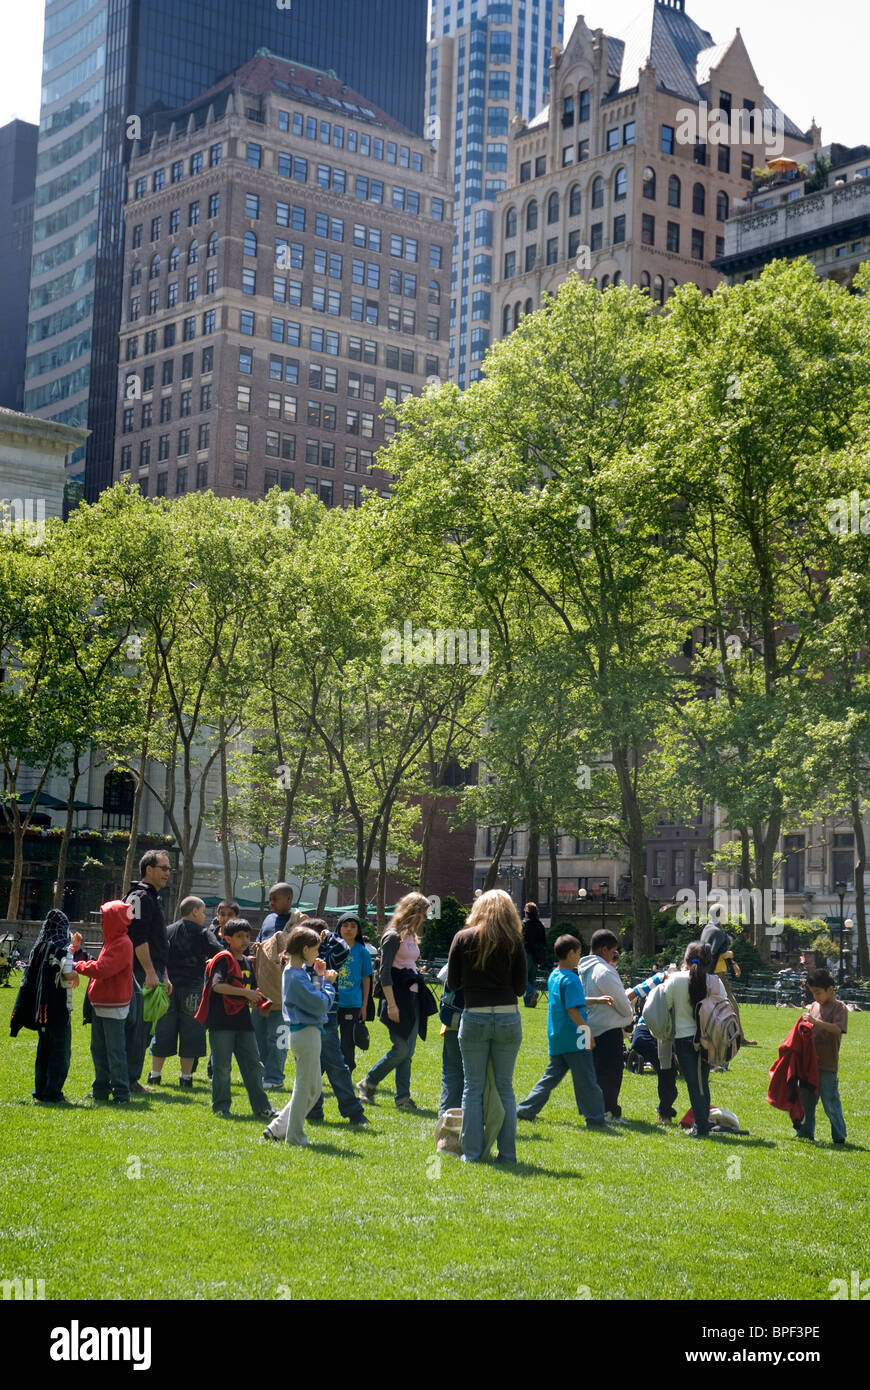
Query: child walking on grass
[[225, 1009], [829, 1017], [569, 1040], [307, 1002]]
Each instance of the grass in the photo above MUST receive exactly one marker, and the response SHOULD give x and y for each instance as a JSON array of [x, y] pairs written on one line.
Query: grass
[[640, 1212]]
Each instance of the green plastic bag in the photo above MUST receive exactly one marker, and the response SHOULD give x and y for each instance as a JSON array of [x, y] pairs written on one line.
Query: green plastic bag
[[155, 1003]]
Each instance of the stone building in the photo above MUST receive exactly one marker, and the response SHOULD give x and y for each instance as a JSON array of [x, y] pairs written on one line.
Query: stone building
[[632, 170], [822, 212], [286, 271]]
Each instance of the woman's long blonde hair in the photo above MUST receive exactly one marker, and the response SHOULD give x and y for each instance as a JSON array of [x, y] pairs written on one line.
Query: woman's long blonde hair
[[410, 914], [497, 925]]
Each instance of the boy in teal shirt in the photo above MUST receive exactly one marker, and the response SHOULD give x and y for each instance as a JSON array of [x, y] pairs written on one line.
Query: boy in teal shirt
[[569, 1040]]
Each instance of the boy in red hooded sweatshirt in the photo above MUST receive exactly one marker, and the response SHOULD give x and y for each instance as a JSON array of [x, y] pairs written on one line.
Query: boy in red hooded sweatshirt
[[110, 991]]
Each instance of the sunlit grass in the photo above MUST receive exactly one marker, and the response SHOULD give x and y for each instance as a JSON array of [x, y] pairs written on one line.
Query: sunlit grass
[[638, 1212]]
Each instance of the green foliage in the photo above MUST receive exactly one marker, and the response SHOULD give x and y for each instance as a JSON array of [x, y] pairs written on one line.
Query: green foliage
[[438, 934], [825, 946]]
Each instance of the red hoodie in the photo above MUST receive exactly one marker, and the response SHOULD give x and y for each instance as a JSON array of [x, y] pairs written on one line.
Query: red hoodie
[[111, 974], [797, 1064]]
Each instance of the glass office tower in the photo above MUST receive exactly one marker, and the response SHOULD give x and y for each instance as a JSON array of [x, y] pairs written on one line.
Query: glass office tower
[[487, 59], [107, 60]]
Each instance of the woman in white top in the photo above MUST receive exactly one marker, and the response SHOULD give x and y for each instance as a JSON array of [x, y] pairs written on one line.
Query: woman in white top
[[685, 990]]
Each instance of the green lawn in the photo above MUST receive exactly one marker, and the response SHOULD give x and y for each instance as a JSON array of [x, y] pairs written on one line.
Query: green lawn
[[638, 1212]]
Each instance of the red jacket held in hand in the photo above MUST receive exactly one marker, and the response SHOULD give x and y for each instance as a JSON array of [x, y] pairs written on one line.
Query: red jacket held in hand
[[797, 1064], [111, 974]]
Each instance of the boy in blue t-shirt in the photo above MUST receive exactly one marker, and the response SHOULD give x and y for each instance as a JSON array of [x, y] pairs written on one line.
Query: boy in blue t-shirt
[[569, 1040]]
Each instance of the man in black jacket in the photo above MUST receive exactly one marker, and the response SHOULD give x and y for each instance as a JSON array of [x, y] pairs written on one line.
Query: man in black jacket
[[191, 944], [535, 942], [147, 931]]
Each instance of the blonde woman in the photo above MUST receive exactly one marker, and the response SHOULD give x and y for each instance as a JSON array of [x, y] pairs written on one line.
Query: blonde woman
[[400, 1005], [488, 961]]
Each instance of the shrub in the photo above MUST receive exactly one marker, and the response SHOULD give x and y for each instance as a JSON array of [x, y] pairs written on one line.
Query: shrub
[[437, 935], [553, 933]]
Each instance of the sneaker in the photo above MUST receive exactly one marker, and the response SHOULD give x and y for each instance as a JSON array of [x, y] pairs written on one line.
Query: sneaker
[[100, 1100], [267, 1134], [359, 1121], [804, 1138], [154, 1078], [120, 1100], [365, 1092], [405, 1103], [270, 1114], [744, 1042], [137, 1089], [222, 1114], [521, 1116], [664, 1119], [275, 1086], [614, 1119], [297, 1143], [186, 1083]]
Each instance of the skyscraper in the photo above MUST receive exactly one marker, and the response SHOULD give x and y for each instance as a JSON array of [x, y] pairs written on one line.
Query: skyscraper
[[487, 61], [17, 175], [106, 61]]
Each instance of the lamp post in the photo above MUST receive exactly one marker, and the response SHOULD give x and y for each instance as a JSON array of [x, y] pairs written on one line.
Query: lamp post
[[840, 890], [604, 885], [847, 928]]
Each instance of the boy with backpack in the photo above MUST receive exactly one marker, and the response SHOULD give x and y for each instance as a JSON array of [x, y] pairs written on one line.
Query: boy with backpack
[[225, 1009], [569, 1040], [691, 1011]]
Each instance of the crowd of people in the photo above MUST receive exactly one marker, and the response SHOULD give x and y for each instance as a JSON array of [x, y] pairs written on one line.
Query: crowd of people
[[219, 990]]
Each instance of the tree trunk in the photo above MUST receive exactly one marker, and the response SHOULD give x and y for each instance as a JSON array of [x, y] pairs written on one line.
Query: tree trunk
[[554, 878], [492, 871], [860, 904], [262, 867], [643, 935], [382, 874], [60, 881], [17, 866], [225, 813], [532, 857], [325, 877], [132, 843], [428, 823]]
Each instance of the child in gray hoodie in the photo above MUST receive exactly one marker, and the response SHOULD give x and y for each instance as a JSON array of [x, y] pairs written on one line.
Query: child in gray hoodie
[[307, 1002], [598, 975]]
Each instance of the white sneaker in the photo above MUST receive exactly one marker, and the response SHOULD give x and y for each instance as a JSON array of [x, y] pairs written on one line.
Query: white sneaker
[[614, 1119]]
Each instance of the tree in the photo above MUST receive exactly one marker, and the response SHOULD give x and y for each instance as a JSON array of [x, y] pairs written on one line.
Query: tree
[[767, 397]]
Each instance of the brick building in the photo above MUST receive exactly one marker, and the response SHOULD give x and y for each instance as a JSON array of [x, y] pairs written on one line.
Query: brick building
[[286, 271]]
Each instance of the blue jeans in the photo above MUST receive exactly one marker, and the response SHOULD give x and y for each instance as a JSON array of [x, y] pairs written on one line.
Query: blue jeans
[[485, 1037], [225, 1042], [398, 1057], [52, 1060], [587, 1092], [830, 1097], [273, 1057], [337, 1074], [452, 1075], [109, 1054], [699, 1090], [531, 979]]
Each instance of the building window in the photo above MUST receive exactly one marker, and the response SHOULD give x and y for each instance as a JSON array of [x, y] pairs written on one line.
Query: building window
[[582, 151], [596, 236], [674, 192], [552, 250], [246, 322], [180, 481], [530, 257], [252, 205], [673, 238], [240, 476], [620, 185], [700, 152], [628, 133], [532, 216], [552, 209], [746, 166], [697, 244], [667, 139], [648, 229], [183, 443], [584, 107], [724, 159], [721, 206], [619, 229], [612, 139], [160, 490], [202, 473], [699, 200], [255, 156]]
